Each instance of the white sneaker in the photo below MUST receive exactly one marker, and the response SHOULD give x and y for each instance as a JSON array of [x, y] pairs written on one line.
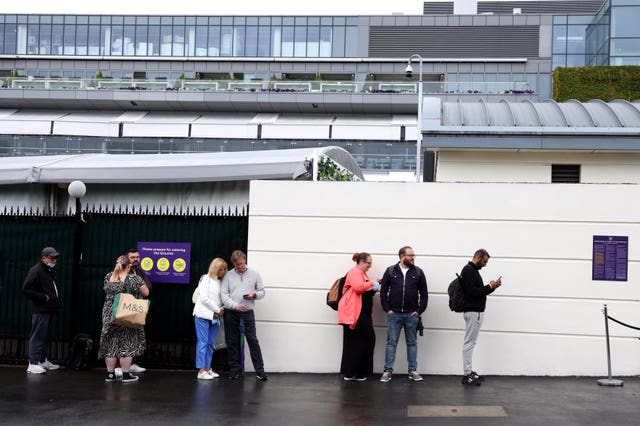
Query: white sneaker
[[118, 372], [213, 374], [48, 365], [205, 376], [135, 368], [36, 369]]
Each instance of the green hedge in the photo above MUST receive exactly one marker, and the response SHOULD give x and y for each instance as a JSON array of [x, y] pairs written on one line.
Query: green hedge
[[606, 83]]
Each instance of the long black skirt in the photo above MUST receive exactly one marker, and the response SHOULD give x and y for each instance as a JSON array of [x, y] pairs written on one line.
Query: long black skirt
[[357, 348]]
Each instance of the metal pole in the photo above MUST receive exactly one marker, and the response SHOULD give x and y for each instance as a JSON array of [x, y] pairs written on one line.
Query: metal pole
[[609, 381], [419, 141]]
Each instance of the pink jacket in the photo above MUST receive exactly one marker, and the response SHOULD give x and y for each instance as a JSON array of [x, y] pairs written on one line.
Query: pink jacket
[[357, 282]]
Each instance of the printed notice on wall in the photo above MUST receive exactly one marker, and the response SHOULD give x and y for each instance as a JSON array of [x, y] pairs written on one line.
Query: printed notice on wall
[[610, 258], [165, 262]]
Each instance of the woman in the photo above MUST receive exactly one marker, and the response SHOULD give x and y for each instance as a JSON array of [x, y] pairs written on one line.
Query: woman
[[354, 313], [207, 314], [120, 343]]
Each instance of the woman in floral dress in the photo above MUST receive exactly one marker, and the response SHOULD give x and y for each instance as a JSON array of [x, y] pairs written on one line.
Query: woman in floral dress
[[120, 343]]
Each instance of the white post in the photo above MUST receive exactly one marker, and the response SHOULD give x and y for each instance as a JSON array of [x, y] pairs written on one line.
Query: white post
[[419, 140]]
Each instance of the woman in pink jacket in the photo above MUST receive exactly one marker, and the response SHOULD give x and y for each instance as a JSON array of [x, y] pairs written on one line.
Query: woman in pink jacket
[[354, 313]]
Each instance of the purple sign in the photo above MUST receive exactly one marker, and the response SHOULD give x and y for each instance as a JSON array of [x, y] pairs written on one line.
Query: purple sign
[[610, 258], [165, 262]]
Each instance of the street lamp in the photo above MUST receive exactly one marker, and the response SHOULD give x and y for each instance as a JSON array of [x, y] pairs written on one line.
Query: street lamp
[[409, 71], [77, 190]]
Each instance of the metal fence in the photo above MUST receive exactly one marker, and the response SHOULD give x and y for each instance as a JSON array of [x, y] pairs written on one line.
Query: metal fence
[[102, 238]]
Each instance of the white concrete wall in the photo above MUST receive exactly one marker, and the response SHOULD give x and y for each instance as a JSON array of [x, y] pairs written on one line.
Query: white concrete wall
[[546, 318], [531, 166]]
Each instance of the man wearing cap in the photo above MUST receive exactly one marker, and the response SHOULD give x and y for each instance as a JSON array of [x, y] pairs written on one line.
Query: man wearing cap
[[41, 288]]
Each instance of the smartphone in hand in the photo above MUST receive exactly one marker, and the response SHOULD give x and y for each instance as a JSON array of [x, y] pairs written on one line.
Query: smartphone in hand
[[246, 296]]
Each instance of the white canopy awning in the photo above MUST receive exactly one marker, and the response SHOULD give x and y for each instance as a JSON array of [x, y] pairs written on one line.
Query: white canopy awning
[[170, 168]]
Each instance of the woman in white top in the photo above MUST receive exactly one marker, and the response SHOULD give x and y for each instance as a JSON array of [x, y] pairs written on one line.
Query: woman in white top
[[207, 311]]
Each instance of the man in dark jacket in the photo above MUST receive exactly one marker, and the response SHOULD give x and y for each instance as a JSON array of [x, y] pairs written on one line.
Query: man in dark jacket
[[475, 297], [40, 287], [403, 293]]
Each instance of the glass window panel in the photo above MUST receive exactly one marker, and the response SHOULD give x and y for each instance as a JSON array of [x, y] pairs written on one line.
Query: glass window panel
[[238, 41], [301, 20], [227, 20], [94, 40], [276, 20], [213, 45], [264, 37], [56, 39], [190, 40], [153, 43], [560, 19], [575, 39], [288, 20], [142, 20], [214, 20], [69, 19], [559, 39], [326, 20], [166, 20], [190, 21], [178, 41], [226, 40], [276, 42], [625, 47], [117, 42], [82, 33], [251, 39], [264, 20], [559, 61], [201, 40], [154, 20], [34, 19], [106, 20], [69, 40], [117, 20], [625, 61], [178, 20], [338, 42], [94, 20], [325, 42], [252, 20], [43, 19], [287, 41], [313, 42], [202, 20], [166, 39], [624, 21], [575, 60], [129, 20], [129, 40], [351, 47], [3, 49], [44, 45], [313, 20], [339, 20], [300, 47], [239, 20], [33, 38], [142, 43]]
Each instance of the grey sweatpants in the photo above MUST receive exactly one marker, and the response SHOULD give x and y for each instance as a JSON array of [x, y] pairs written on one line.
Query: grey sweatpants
[[473, 321]]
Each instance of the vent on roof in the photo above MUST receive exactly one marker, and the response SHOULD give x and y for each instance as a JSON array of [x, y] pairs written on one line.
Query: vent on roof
[[565, 173]]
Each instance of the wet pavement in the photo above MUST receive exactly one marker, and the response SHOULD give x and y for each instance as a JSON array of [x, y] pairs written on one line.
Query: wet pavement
[[177, 397]]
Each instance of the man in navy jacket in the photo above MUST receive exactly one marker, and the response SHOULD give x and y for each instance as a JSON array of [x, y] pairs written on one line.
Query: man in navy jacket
[[40, 287], [403, 293]]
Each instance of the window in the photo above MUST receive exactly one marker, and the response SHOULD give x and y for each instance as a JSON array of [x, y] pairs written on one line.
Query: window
[[565, 173]]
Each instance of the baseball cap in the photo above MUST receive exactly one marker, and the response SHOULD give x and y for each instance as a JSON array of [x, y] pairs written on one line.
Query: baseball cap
[[50, 251]]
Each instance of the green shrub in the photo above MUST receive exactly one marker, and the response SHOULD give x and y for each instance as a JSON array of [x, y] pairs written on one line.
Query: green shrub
[[604, 82]]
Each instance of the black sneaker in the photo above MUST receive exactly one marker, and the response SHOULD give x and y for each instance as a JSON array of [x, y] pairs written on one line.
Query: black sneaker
[[470, 380], [128, 378], [477, 376], [110, 377], [262, 376], [234, 376]]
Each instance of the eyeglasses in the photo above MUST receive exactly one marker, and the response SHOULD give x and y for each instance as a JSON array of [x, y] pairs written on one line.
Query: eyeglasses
[[410, 255], [368, 263]]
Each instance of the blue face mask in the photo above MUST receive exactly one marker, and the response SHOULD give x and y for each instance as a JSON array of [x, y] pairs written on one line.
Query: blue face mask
[[51, 265]]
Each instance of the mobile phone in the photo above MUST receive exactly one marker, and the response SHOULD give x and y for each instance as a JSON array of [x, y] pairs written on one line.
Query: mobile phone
[[245, 296], [499, 278]]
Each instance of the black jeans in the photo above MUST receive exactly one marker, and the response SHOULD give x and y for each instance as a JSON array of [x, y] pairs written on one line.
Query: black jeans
[[232, 336], [40, 339]]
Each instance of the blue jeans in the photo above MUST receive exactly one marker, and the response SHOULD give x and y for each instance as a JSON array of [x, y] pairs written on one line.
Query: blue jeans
[[206, 333], [395, 322]]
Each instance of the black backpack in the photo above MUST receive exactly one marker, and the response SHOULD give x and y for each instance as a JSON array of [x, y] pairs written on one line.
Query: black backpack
[[456, 295], [335, 293], [80, 352]]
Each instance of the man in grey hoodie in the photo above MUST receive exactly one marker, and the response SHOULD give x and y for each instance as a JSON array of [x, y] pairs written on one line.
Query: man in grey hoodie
[[241, 287]]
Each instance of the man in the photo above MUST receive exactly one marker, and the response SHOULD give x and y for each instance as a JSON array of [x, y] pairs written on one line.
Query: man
[[41, 288], [475, 300], [404, 295], [241, 286]]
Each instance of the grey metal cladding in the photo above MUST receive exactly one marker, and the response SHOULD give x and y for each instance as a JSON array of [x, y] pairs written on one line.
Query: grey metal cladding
[[572, 7], [437, 8], [454, 42]]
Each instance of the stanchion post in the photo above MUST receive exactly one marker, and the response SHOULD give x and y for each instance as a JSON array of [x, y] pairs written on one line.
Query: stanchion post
[[609, 381]]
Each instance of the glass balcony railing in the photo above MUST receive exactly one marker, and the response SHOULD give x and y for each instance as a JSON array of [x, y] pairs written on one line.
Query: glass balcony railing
[[429, 87]]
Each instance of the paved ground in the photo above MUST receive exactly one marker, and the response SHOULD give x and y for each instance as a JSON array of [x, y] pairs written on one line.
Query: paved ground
[[176, 397]]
